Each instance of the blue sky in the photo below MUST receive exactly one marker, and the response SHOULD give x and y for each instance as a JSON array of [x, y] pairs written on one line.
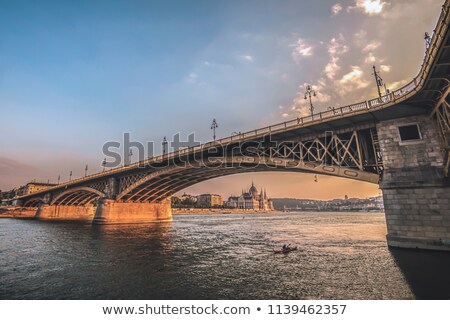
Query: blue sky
[[76, 74]]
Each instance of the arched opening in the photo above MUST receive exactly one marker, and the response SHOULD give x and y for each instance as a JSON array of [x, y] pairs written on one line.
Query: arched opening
[[159, 185], [34, 202], [77, 197], [287, 185]]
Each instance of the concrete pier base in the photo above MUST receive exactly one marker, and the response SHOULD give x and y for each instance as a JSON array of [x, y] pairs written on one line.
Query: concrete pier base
[[418, 217], [69, 213], [113, 212]]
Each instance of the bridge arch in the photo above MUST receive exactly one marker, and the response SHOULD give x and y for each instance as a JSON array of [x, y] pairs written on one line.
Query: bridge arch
[[77, 197], [34, 202], [160, 184]]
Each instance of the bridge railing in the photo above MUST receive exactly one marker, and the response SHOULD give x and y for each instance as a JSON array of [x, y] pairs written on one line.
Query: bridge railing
[[355, 108]]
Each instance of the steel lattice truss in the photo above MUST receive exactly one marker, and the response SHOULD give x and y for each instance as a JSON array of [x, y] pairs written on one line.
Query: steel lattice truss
[[441, 114], [332, 150]]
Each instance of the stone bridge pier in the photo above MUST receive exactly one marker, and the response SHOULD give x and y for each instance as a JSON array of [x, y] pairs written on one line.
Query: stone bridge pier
[[115, 212], [48, 208], [111, 210], [65, 212], [416, 191]]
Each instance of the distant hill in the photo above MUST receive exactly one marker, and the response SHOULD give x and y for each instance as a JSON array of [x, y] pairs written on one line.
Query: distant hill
[[281, 203], [373, 203]]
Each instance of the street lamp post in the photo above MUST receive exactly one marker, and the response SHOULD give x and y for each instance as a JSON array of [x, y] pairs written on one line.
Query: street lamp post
[[379, 82], [427, 39], [104, 164], [70, 176], [59, 178], [85, 170], [213, 128], [164, 145], [308, 94], [130, 153]]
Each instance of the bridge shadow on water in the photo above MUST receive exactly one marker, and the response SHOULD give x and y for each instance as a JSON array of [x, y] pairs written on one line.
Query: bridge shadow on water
[[426, 272]]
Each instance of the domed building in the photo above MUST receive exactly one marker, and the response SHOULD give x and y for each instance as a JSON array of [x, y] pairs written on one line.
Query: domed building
[[251, 200]]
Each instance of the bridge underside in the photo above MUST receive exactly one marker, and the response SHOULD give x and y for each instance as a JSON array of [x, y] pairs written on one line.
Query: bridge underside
[[34, 202], [176, 179], [148, 199]]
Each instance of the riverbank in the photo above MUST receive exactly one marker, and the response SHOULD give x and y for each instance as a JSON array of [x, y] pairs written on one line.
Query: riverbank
[[186, 211], [17, 212], [27, 213]]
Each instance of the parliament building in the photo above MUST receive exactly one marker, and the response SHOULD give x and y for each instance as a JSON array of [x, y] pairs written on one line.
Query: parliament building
[[251, 200]]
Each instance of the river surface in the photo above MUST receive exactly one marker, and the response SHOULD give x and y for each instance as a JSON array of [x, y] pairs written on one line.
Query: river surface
[[340, 256]]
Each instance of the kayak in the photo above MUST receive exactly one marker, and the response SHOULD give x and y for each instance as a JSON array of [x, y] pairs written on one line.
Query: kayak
[[285, 250]]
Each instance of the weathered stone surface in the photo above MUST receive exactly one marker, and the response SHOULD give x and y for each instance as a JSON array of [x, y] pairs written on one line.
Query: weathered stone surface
[[19, 213], [113, 212], [76, 213], [415, 192]]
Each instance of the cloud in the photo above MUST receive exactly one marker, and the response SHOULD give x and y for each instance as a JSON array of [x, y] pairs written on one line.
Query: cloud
[[299, 109], [370, 58], [360, 37], [345, 65], [385, 68], [336, 48], [248, 58], [335, 9], [352, 80], [398, 84], [192, 78], [369, 7], [332, 67], [301, 50], [352, 76], [210, 65], [371, 46], [300, 106]]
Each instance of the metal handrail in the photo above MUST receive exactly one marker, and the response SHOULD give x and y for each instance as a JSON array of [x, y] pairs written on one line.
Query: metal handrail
[[377, 103]]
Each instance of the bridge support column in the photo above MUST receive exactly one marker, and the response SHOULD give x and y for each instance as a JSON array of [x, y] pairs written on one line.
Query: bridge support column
[[69, 213], [415, 191], [115, 212]]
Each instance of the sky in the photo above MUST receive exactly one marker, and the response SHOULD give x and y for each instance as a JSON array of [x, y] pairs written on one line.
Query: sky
[[77, 74]]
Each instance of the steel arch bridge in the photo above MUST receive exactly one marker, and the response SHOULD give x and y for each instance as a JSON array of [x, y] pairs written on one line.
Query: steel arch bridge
[[349, 155]]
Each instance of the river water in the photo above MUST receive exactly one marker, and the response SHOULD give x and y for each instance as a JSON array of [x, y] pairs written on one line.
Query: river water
[[340, 256]]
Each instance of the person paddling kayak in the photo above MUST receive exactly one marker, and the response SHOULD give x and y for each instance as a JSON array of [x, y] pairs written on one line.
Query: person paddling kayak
[[286, 248]]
